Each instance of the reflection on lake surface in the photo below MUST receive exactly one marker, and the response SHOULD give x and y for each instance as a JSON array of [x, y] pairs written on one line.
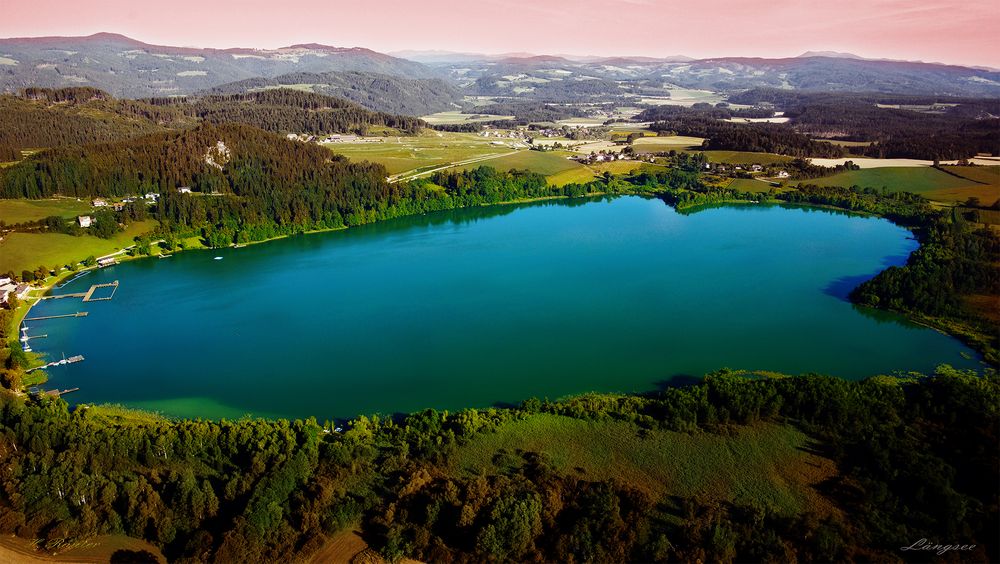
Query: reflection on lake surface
[[478, 306]]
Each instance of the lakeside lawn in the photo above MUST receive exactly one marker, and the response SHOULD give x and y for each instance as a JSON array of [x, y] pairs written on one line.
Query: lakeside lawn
[[27, 251], [929, 182], [20, 211], [763, 465]]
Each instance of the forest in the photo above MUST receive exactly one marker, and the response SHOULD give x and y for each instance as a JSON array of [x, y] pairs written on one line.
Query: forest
[[920, 127], [284, 110], [263, 490]]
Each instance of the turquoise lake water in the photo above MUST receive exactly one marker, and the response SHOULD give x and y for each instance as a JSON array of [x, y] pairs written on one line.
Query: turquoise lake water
[[476, 307]]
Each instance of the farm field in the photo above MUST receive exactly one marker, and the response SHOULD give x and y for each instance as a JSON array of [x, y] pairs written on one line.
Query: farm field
[[586, 173], [28, 251], [762, 465], [986, 174], [928, 182], [657, 144], [457, 117], [20, 211], [744, 158], [547, 163], [401, 154]]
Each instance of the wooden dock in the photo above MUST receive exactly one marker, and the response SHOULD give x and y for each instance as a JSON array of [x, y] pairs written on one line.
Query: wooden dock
[[44, 317], [87, 296], [57, 393]]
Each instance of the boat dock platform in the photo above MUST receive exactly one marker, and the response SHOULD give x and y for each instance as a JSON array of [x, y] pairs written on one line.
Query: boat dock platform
[[70, 360], [87, 296]]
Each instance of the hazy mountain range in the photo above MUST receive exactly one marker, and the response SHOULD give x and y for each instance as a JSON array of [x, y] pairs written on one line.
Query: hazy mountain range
[[418, 82]]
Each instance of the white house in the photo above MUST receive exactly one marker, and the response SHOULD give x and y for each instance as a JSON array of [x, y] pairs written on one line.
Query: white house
[[85, 220], [99, 203], [183, 190], [782, 174]]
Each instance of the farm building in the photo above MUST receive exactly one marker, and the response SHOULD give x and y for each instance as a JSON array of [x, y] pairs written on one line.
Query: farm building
[[85, 221]]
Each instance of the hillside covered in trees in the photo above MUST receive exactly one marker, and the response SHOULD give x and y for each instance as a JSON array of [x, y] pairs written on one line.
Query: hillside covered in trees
[[378, 92], [285, 110], [39, 118]]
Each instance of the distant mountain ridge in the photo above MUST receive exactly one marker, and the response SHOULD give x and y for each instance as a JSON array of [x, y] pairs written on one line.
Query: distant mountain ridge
[[436, 80], [130, 68]]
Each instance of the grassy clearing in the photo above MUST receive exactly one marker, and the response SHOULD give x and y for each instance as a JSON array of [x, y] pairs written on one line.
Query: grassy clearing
[[27, 251], [750, 185], [20, 211], [430, 148], [763, 465], [926, 181]]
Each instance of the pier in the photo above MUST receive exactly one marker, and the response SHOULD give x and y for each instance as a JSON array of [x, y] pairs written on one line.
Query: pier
[[44, 317], [64, 361], [57, 393]]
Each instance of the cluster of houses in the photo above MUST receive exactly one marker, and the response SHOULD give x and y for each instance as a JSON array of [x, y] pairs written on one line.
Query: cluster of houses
[[722, 168], [601, 157], [10, 288]]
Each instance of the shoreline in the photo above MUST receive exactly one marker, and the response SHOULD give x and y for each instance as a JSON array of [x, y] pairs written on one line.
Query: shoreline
[[967, 337]]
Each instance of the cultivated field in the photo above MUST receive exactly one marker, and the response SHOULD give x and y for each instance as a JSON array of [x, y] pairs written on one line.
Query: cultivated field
[[745, 158], [586, 173], [457, 117], [865, 162], [762, 465], [926, 181], [28, 251], [19, 211], [666, 143], [547, 163], [429, 149]]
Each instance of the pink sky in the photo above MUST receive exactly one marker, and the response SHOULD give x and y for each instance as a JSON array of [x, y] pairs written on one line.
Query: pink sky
[[951, 32]]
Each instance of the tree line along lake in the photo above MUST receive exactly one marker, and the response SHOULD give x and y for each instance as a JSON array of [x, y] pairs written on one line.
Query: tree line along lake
[[479, 306]]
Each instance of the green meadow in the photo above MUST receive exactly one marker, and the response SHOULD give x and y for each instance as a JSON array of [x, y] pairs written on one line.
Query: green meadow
[[431, 148], [20, 211], [28, 251], [924, 180], [761, 465]]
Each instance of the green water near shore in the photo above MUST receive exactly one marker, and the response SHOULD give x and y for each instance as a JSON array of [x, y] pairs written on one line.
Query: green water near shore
[[473, 307]]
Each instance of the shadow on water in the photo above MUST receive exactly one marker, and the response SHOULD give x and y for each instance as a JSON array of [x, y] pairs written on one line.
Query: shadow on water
[[841, 288], [677, 381]]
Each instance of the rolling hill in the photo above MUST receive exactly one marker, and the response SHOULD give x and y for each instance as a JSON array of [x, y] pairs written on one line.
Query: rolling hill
[[129, 68], [379, 92]]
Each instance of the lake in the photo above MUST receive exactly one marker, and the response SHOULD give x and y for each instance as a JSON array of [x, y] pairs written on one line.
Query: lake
[[476, 307]]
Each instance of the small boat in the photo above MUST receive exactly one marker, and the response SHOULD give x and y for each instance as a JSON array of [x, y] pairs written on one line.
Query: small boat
[[218, 258]]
